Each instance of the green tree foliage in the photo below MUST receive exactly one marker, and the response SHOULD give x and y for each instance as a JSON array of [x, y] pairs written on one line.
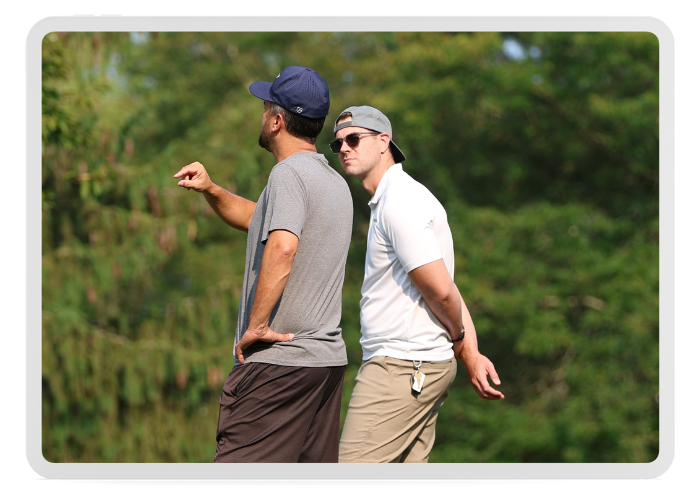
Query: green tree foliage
[[543, 147], [134, 346], [567, 306]]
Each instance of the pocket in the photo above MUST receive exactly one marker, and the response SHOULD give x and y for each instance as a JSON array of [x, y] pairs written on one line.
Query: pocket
[[233, 386], [393, 366], [224, 411], [400, 372], [248, 373], [439, 375]]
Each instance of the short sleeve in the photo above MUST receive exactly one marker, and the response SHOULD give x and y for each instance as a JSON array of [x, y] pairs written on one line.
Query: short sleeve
[[408, 225], [286, 202]]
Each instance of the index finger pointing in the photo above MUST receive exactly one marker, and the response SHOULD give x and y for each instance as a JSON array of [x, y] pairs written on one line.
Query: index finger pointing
[[186, 171], [192, 168]]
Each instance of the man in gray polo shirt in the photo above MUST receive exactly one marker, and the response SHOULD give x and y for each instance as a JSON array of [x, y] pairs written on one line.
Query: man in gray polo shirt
[[414, 322], [281, 401]]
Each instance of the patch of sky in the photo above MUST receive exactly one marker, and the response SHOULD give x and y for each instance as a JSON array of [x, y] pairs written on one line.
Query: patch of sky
[[513, 50]]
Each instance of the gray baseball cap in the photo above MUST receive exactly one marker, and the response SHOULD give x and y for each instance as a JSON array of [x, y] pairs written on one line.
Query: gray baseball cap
[[371, 119]]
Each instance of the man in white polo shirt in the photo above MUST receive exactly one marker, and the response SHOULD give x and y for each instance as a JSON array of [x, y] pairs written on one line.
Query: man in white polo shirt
[[413, 320]]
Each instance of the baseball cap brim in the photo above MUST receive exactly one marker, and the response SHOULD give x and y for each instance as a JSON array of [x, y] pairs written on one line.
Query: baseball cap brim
[[261, 90], [397, 153]]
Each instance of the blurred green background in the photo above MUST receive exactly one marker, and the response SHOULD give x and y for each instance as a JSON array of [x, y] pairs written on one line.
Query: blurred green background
[[543, 148]]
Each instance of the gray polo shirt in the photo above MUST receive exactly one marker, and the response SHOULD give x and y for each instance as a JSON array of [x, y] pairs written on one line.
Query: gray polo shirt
[[306, 196]]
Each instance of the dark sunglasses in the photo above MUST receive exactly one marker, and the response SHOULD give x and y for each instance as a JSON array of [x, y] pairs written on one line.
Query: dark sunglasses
[[352, 139]]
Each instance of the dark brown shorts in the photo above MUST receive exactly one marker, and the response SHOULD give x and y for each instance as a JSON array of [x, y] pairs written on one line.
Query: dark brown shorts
[[272, 413]]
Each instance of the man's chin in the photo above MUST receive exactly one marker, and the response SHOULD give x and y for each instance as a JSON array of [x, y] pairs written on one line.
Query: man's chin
[[349, 171], [264, 144]]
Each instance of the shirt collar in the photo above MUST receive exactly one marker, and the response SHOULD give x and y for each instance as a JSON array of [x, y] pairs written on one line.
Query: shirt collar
[[391, 172]]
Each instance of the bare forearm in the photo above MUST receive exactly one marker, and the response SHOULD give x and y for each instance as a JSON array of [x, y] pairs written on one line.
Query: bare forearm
[[469, 347], [440, 294], [275, 268], [234, 210], [447, 309], [478, 365]]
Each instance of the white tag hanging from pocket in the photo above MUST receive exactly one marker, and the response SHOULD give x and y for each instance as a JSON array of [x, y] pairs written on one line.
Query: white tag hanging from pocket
[[417, 378]]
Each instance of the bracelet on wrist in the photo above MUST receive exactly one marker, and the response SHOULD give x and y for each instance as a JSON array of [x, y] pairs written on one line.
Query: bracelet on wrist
[[461, 336]]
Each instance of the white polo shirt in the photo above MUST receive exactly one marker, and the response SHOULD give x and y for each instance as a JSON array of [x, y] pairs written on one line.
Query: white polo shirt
[[408, 228]]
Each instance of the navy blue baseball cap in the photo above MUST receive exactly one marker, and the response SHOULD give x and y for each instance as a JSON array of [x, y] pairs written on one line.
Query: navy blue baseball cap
[[297, 89]]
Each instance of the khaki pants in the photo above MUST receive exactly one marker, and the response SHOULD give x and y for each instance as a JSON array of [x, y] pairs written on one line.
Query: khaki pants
[[386, 420]]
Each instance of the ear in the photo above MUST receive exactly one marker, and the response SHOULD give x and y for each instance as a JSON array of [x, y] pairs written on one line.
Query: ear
[[385, 140], [277, 122]]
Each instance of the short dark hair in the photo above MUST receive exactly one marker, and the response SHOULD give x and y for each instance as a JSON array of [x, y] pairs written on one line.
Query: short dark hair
[[344, 114], [299, 126]]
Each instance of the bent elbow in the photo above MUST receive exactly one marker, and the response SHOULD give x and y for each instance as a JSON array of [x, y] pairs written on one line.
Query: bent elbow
[[285, 252], [441, 294]]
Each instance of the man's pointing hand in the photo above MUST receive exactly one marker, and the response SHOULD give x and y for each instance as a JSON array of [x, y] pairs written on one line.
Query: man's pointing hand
[[194, 176]]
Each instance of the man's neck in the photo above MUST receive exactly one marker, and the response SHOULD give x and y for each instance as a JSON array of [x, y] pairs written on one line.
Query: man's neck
[[292, 145], [371, 182]]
